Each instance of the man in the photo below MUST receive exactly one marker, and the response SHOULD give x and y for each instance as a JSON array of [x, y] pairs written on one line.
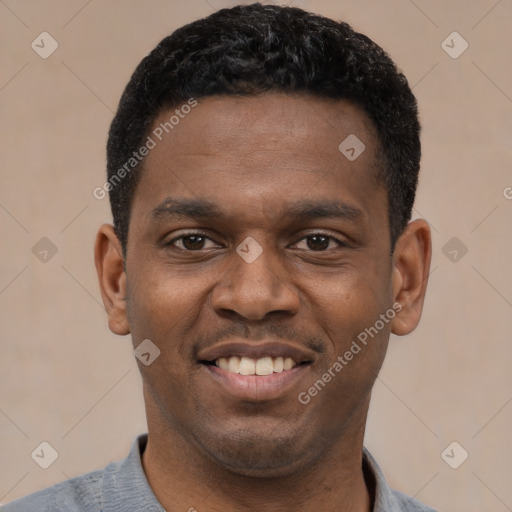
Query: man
[[262, 168]]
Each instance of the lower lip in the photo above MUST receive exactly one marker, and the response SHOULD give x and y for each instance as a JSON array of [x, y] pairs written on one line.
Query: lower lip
[[258, 387]]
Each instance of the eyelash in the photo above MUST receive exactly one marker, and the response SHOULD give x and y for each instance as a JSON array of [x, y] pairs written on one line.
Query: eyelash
[[205, 235]]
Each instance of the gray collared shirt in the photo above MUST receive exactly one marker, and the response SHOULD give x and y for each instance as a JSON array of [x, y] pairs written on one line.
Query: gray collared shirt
[[122, 487]]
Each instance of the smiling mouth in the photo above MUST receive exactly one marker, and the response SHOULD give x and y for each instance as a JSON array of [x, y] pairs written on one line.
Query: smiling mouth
[[249, 366]]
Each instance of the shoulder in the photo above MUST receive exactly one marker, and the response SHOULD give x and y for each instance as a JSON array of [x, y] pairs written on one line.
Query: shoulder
[[408, 504], [121, 485], [387, 499], [82, 493]]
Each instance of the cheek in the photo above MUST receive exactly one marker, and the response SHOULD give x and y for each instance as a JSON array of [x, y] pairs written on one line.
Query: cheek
[[350, 301], [162, 306], [349, 311], [165, 307], [358, 340]]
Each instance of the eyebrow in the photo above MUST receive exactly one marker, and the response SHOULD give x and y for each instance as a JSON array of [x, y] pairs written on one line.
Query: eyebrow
[[190, 208], [303, 210]]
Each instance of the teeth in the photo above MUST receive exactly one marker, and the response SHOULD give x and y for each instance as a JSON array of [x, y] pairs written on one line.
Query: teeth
[[278, 364], [247, 366], [263, 366], [233, 365], [288, 363], [223, 363]]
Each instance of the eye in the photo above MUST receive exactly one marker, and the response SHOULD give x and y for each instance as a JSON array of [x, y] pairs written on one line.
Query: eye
[[192, 241], [319, 242], [197, 241]]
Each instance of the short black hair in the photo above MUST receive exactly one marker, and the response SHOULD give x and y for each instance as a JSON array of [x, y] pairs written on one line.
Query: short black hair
[[253, 49]]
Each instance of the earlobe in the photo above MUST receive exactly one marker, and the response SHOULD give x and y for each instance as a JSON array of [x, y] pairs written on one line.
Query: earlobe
[[411, 266], [108, 257]]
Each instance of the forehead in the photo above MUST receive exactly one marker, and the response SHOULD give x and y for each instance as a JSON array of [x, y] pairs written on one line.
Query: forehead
[[256, 152], [276, 119]]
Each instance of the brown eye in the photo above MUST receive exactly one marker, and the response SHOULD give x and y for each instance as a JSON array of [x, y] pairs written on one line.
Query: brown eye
[[193, 242], [319, 242]]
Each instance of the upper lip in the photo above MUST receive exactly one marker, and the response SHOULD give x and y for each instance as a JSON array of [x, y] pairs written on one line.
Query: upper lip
[[257, 350]]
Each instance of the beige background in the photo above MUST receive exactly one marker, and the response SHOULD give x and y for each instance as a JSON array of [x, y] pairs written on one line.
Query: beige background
[[68, 381]]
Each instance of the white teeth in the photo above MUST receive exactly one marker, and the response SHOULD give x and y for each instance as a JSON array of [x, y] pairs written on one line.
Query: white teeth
[[264, 366], [223, 363], [234, 364], [248, 366], [288, 363]]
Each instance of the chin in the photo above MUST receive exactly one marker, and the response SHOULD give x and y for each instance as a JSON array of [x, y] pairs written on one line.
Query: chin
[[250, 453]]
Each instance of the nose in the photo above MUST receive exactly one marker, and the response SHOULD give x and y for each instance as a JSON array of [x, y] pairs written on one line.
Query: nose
[[256, 288]]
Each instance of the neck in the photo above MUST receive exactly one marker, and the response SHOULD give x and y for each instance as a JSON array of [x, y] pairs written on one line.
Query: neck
[[184, 478]]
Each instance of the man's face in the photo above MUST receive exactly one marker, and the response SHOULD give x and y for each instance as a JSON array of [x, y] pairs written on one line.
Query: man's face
[[272, 273]]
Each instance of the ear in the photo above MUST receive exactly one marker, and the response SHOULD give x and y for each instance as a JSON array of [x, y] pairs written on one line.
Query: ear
[[411, 266], [108, 257]]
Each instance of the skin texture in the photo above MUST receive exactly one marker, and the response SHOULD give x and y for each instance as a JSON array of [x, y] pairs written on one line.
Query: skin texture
[[253, 158]]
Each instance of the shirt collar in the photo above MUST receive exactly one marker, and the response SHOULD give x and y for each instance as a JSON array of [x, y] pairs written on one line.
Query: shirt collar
[[126, 489], [384, 498]]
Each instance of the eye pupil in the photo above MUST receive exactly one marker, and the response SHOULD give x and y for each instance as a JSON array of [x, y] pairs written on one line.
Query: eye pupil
[[196, 241], [318, 242]]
